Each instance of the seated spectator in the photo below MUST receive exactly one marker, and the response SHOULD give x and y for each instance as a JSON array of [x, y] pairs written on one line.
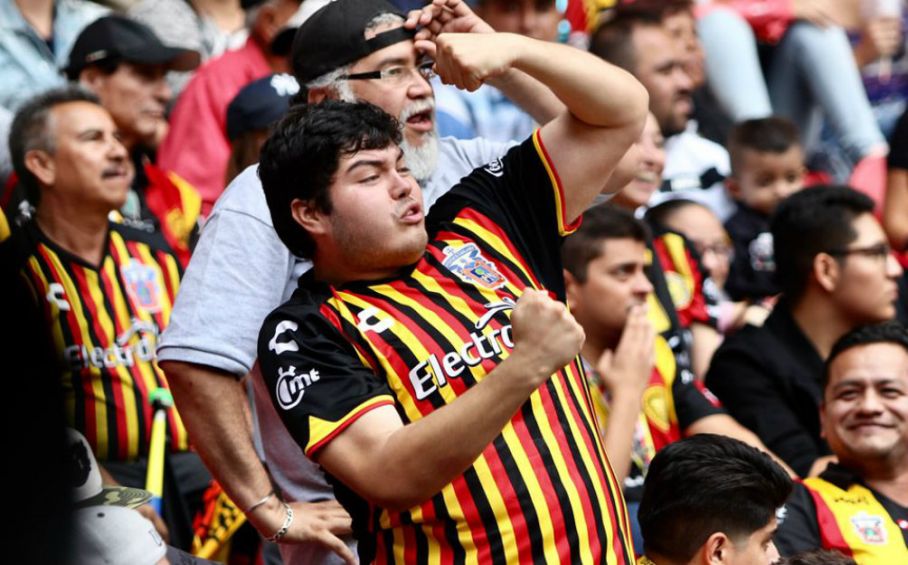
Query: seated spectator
[[810, 67], [835, 271], [644, 400], [250, 115], [104, 289], [859, 506], [487, 112], [196, 146], [37, 36], [125, 64], [711, 500], [702, 228], [682, 312], [767, 165], [695, 167]]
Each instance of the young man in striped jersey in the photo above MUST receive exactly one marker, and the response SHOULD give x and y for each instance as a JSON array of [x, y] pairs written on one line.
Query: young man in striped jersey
[[428, 363], [859, 506], [106, 290]]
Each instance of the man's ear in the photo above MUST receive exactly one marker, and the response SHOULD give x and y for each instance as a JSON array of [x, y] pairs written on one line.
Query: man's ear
[[572, 288], [717, 550], [91, 78], [317, 94], [309, 216], [826, 271], [42, 165]]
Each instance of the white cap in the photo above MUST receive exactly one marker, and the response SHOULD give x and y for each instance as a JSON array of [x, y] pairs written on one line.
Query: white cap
[[113, 535]]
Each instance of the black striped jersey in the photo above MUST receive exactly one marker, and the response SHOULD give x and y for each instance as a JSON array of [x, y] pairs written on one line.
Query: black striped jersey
[[104, 320], [543, 490]]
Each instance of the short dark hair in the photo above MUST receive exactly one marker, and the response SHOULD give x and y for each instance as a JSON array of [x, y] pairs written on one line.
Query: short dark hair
[[659, 214], [819, 557], [30, 130], [764, 135], [300, 158], [811, 222], [613, 39], [891, 331], [599, 223], [705, 484]]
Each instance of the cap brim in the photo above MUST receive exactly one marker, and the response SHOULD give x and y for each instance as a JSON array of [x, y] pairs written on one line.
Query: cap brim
[[175, 58], [117, 496]]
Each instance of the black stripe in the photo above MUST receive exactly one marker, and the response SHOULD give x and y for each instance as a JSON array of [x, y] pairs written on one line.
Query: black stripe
[[486, 514], [450, 530]]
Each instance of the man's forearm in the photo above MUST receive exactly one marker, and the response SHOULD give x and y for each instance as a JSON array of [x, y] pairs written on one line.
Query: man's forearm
[[213, 407]]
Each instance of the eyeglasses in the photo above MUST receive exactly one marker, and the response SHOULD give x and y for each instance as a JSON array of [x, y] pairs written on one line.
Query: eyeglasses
[[396, 74], [720, 249], [879, 251]]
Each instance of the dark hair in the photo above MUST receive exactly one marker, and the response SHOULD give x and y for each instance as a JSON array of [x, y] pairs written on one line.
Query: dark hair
[[810, 222], [705, 484], [613, 39], [300, 158], [107, 66], [30, 130], [764, 135], [886, 332], [599, 223], [819, 557], [658, 215]]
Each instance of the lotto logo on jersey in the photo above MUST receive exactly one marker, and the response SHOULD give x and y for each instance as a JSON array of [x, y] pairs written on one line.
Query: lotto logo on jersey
[[869, 528], [142, 285], [291, 387], [471, 267]]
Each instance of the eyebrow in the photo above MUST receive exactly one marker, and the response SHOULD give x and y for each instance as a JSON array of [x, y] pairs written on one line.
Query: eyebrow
[[87, 133]]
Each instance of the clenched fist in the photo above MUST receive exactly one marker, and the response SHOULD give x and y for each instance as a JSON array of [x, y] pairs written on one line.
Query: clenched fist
[[546, 336]]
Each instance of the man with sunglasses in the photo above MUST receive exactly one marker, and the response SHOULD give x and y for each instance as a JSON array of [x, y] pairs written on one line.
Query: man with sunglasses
[[350, 50], [836, 272]]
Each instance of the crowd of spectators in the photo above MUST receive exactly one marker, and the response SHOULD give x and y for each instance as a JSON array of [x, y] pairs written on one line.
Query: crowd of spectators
[[728, 236]]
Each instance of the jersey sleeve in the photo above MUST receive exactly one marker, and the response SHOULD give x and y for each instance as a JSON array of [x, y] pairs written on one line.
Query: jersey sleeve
[[521, 192], [798, 529], [316, 380]]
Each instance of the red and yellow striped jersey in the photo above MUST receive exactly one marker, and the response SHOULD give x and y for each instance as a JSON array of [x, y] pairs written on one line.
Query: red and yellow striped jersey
[[542, 491], [105, 320]]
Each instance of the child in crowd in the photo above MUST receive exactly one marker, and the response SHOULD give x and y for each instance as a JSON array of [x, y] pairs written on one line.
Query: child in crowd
[[767, 163]]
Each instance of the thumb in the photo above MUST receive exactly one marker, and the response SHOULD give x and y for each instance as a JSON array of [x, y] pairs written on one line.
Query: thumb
[[605, 362]]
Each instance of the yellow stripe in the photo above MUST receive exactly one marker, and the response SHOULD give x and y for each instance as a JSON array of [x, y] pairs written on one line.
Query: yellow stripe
[[94, 375], [534, 490], [497, 504], [561, 467], [320, 429], [559, 205], [676, 249]]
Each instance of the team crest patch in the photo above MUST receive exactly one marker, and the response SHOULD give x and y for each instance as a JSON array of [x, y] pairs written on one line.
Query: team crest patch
[[655, 406], [142, 285], [471, 267], [678, 289], [869, 528]]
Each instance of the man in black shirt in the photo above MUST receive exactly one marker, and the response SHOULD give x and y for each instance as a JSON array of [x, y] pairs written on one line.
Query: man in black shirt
[[835, 270]]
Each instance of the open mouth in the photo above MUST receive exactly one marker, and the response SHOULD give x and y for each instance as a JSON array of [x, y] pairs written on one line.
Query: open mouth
[[412, 213], [421, 121], [114, 172], [648, 177]]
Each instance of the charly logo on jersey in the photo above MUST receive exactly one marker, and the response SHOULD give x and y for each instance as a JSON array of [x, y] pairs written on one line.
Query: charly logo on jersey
[[291, 386], [495, 168], [56, 295], [142, 285], [433, 373], [869, 528], [468, 263]]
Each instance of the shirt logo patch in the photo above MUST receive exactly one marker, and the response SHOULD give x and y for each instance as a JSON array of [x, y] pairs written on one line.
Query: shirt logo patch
[[142, 285], [471, 267], [495, 168], [869, 528], [291, 387]]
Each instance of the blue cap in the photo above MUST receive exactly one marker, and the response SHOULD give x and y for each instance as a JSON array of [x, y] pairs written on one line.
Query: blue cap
[[260, 104]]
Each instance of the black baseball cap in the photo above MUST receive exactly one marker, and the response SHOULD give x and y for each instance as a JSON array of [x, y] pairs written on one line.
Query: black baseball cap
[[117, 37], [260, 104], [333, 37]]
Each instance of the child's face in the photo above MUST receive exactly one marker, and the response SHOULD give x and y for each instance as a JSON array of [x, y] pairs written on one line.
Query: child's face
[[764, 179]]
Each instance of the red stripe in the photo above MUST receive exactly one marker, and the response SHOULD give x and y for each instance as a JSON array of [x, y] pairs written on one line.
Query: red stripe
[[472, 518], [830, 533], [512, 503], [352, 418], [334, 320], [91, 429], [558, 186], [118, 407], [553, 505], [410, 545]]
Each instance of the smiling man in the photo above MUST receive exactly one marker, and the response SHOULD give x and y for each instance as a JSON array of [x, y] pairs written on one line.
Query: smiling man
[[860, 505], [437, 349]]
